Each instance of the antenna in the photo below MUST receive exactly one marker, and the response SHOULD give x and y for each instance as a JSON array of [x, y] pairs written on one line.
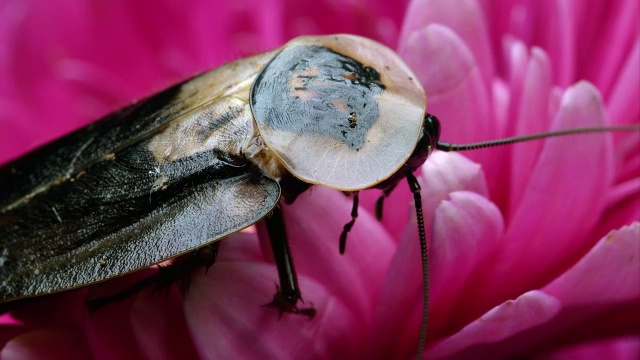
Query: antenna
[[448, 147]]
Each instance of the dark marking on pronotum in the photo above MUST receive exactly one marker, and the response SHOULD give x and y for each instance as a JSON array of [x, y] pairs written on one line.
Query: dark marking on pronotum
[[353, 120], [331, 80]]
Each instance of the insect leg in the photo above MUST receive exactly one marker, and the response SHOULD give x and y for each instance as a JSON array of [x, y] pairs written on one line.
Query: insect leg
[[177, 272], [180, 270], [380, 202], [349, 225], [288, 292]]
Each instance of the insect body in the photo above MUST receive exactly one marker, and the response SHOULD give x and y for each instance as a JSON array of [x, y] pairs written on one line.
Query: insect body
[[205, 159]]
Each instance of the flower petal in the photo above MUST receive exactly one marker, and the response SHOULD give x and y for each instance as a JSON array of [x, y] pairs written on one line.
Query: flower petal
[[227, 304], [159, 327], [464, 17], [599, 294], [467, 231], [621, 103], [607, 32], [512, 317], [227, 318], [532, 117], [395, 332], [108, 332], [597, 298], [623, 207], [455, 89], [563, 201], [623, 348], [52, 343], [546, 24], [609, 273]]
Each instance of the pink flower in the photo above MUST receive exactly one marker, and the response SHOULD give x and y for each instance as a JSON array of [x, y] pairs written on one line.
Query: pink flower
[[522, 259]]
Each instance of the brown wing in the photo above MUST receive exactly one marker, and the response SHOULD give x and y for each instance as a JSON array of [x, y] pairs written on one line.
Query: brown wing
[[145, 184]]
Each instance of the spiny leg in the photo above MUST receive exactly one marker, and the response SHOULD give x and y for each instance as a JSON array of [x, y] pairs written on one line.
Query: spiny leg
[[288, 292], [178, 272], [347, 227], [380, 202]]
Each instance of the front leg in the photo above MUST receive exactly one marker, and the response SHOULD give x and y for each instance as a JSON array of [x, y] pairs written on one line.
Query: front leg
[[287, 293]]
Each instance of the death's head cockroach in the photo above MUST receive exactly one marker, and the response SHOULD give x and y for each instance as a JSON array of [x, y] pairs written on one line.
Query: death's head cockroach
[[175, 173]]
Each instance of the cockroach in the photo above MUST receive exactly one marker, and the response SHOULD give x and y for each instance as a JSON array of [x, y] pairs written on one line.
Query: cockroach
[[206, 158]]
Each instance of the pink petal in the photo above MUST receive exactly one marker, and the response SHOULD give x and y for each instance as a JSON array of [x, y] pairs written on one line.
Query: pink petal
[[7, 319], [608, 274], [532, 117], [53, 310], [600, 294], [517, 56], [227, 304], [52, 343], [456, 92], [464, 18], [441, 174], [377, 19], [563, 201], [621, 103], [466, 233], [624, 348], [444, 173], [109, 334], [226, 315], [395, 333], [109, 330], [607, 33], [623, 207], [596, 298], [512, 317], [159, 327], [546, 24]]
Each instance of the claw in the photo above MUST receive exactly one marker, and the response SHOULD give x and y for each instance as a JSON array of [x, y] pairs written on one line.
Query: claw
[[287, 304]]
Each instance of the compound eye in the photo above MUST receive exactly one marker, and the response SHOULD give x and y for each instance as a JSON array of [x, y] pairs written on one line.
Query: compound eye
[[432, 128], [340, 111]]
